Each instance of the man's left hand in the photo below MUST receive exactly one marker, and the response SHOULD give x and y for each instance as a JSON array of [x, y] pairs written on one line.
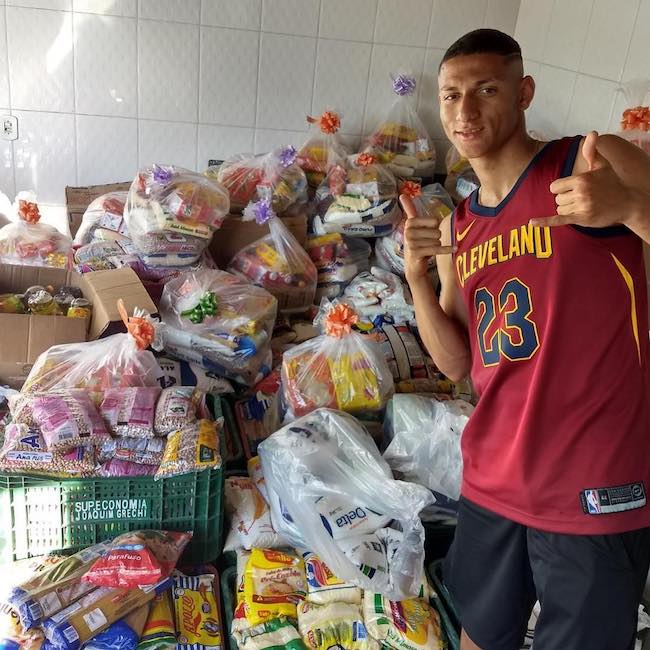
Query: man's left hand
[[596, 198]]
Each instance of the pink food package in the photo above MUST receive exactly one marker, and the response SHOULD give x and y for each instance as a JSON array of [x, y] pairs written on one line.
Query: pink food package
[[130, 411]]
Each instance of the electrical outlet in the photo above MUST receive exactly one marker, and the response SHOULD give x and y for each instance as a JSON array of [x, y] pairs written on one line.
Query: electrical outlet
[[214, 163], [9, 127]]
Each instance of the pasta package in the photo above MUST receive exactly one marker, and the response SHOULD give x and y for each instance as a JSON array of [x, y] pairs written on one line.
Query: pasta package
[[324, 587], [194, 448], [123, 634], [196, 607], [159, 632]]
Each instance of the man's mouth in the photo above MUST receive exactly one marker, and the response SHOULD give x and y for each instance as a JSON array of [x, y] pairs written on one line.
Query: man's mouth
[[469, 134]]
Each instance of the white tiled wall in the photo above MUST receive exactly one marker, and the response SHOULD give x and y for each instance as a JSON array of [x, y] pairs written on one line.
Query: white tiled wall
[[101, 87], [579, 53]]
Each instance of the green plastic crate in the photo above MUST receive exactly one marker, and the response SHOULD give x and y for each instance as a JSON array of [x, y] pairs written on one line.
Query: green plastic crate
[[43, 515]]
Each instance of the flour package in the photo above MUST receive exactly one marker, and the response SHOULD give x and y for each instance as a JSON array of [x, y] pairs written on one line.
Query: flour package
[[330, 490], [425, 441]]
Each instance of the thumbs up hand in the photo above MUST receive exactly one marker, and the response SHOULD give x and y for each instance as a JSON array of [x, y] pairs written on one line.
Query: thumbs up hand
[[595, 198], [422, 239]]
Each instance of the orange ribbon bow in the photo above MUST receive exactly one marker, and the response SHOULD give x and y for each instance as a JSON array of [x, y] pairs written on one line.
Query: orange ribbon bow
[[141, 329], [364, 159], [339, 321], [328, 122], [28, 211], [411, 188], [636, 119]]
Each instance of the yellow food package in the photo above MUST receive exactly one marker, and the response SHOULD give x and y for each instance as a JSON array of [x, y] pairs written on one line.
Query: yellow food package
[[405, 625], [197, 612], [274, 583], [355, 382], [159, 631]]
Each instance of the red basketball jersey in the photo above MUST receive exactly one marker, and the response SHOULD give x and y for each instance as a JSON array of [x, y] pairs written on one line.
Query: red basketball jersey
[[558, 330]]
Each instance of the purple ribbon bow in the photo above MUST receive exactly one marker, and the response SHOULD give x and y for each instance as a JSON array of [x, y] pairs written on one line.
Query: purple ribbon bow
[[404, 85], [288, 156], [260, 210], [162, 175]]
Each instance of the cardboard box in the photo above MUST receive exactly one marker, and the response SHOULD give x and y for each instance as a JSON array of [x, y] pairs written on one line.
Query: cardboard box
[[23, 337], [235, 233], [79, 198]]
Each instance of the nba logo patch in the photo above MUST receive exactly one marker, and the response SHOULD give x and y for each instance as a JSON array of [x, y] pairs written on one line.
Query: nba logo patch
[[593, 502]]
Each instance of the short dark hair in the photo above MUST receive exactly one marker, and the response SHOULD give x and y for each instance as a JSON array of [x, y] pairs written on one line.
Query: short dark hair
[[483, 41]]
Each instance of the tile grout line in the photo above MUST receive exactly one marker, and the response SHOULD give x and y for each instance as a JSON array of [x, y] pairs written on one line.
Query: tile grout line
[[137, 93], [313, 76], [10, 107], [259, 76], [198, 91], [372, 57], [74, 101]]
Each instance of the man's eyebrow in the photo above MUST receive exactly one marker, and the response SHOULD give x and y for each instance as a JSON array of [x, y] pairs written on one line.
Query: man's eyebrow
[[480, 82]]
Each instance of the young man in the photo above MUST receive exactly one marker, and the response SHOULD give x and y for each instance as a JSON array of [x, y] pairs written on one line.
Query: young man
[[544, 304]]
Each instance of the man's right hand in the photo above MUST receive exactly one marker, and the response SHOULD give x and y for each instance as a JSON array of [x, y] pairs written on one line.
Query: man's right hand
[[422, 240]]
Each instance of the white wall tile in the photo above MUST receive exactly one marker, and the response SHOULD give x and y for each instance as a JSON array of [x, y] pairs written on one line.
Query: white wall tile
[[567, 32], [127, 8], [428, 104], [221, 142], [286, 81], [44, 154], [386, 60], [243, 14], [107, 149], [167, 143], [345, 93], [267, 139], [531, 68], [350, 21], [184, 11], [453, 18], [403, 22], [502, 15], [298, 17], [168, 70], [638, 64], [7, 166], [4, 69], [553, 94], [40, 68], [532, 26], [61, 5], [228, 86], [606, 45], [592, 105], [619, 105], [105, 57]]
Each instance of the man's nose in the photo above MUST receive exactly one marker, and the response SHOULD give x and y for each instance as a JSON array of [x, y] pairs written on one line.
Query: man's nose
[[467, 109]]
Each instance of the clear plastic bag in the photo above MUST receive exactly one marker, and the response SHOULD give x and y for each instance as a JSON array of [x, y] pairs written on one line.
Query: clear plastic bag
[[220, 322], [401, 140], [331, 491], [117, 361], [366, 205], [635, 121], [277, 262], [274, 175], [323, 152], [30, 243], [340, 369], [103, 220], [461, 180], [425, 441], [171, 210], [130, 411]]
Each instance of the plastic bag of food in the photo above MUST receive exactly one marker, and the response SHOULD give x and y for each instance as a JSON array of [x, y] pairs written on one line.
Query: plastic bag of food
[[173, 210], [340, 369], [249, 515], [141, 557], [425, 441], [159, 631], [274, 175], [176, 372], [366, 205], [141, 451], [194, 448], [271, 635], [124, 468], [30, 243], [117, 361], [401, 140], [323, 153], [239, 622], [336, 624], [407, 625], [329, 486], [50, 591], [274, 583], [324, 587], [635, 121], [220, 322], [123, 634], [277, 262], [103, 220], [196, 606], [72, 627], [130, 411], [176, 408], [461, 180], [12, 634], [24, 450], [107, 255]]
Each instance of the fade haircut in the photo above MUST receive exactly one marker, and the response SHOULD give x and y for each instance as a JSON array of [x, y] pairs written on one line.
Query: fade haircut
[[483, 41]]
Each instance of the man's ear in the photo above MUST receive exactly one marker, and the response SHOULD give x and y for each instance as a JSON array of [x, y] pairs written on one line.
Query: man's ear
[[526, 92]]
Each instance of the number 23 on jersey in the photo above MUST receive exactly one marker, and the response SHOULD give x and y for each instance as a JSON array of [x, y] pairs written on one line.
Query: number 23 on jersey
[[504, 324]]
